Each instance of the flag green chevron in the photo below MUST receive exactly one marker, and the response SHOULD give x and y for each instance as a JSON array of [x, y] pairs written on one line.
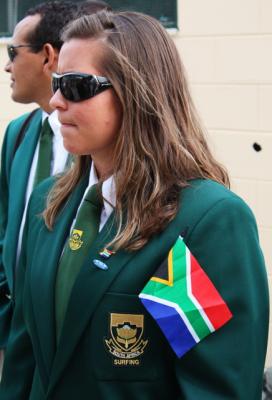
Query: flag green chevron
[[178, 294]]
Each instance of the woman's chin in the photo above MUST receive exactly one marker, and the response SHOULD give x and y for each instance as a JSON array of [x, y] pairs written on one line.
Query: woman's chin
[[71, 148], [74, 150]]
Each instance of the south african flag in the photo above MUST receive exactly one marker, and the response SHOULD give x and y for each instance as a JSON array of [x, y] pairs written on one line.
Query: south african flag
[[183, 300]]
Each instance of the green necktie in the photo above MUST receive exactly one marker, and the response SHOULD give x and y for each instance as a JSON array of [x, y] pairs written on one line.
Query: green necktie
[[76, 249], [45, 153]]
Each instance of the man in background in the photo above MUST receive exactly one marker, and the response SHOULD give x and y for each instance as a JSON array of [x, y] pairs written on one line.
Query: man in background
[[32, 147]]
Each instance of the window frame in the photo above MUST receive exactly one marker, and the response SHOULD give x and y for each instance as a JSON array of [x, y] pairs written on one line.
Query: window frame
[[13, 19]]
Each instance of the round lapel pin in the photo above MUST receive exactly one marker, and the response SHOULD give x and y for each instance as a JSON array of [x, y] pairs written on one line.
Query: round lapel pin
[[100, 264]]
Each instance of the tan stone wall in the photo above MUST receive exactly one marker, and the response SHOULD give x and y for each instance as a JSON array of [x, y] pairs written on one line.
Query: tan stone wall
[[226, 46]]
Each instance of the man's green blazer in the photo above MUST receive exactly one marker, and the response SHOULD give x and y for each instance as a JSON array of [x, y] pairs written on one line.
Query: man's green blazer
[[220, 231], [15, 170]]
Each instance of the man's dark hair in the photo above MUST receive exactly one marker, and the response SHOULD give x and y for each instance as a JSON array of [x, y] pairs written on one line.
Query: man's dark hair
[[54, 16], [91, 7]]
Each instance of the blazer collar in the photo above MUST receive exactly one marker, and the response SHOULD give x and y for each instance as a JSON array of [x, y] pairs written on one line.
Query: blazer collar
[[19, 174]]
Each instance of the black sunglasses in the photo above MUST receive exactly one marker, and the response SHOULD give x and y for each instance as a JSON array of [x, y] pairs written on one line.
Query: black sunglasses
[[75, 86], [12, 49]]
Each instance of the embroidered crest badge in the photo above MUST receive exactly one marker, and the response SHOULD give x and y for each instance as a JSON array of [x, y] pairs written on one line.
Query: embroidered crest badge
[[75, 241], [126, 343]]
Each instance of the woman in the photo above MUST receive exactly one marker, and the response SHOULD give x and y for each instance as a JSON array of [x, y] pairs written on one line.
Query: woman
[[80, 328]]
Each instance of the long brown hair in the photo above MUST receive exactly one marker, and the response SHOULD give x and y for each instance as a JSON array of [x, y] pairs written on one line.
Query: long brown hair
[[161, 144]]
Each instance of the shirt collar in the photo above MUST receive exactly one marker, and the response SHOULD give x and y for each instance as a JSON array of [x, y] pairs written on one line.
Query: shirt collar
[[108, 190]]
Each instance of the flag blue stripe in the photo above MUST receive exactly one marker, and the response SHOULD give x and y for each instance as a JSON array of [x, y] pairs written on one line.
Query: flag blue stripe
[[172, 326]]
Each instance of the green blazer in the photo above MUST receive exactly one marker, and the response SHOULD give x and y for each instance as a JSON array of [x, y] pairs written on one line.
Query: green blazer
[[220, 231], [13, 183]]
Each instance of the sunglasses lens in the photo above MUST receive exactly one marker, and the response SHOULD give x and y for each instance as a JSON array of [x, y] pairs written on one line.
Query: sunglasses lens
[[77, 88], [11, 53], [55, 84]]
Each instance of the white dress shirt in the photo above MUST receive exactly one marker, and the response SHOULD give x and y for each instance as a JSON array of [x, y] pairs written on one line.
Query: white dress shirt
[[108, 193], [58, 163]]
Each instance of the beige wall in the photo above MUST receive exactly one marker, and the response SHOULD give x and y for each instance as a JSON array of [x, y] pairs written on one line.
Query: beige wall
[[226, 46]]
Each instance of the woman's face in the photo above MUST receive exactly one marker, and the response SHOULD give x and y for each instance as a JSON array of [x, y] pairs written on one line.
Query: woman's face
[[88, 127]]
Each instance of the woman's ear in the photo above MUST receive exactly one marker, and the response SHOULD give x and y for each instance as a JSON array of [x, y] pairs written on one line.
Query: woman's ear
[[51, 55]]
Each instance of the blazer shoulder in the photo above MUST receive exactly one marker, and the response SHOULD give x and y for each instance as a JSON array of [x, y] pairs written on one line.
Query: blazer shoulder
[[202, 196], [206, 193], [14, 127], [16, 124]]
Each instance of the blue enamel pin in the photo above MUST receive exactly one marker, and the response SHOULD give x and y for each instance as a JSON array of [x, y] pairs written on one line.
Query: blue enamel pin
[[100, 264]]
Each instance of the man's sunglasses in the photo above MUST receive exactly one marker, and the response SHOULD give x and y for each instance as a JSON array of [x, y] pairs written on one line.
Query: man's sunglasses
[[12, 50], [77, 86]]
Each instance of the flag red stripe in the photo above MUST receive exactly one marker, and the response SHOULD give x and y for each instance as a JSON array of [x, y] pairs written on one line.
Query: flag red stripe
[[204, 291]]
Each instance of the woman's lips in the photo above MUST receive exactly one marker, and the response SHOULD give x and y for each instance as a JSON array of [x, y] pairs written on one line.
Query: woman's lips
[[66, 127], [64, 123]]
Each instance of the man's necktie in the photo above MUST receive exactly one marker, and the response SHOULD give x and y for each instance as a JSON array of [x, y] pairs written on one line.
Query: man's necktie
[[76, 249], [45, 153]]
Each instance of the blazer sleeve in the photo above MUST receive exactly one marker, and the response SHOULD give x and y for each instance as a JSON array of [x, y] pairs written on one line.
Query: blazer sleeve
[[19, 362], [10, 137], [229, 363], [5, 301]]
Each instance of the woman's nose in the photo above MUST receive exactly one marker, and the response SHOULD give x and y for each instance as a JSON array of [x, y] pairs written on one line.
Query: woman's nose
[[57, 101]]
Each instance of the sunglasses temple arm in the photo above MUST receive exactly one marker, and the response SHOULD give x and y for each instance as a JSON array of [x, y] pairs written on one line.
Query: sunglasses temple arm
[[105, 84]]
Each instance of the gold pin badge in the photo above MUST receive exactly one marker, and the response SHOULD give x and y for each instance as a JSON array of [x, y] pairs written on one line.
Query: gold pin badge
[[75, 241]]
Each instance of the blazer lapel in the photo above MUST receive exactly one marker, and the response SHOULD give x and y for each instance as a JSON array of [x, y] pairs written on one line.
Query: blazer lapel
[[17, 188], [84, 304], [43, 276]]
